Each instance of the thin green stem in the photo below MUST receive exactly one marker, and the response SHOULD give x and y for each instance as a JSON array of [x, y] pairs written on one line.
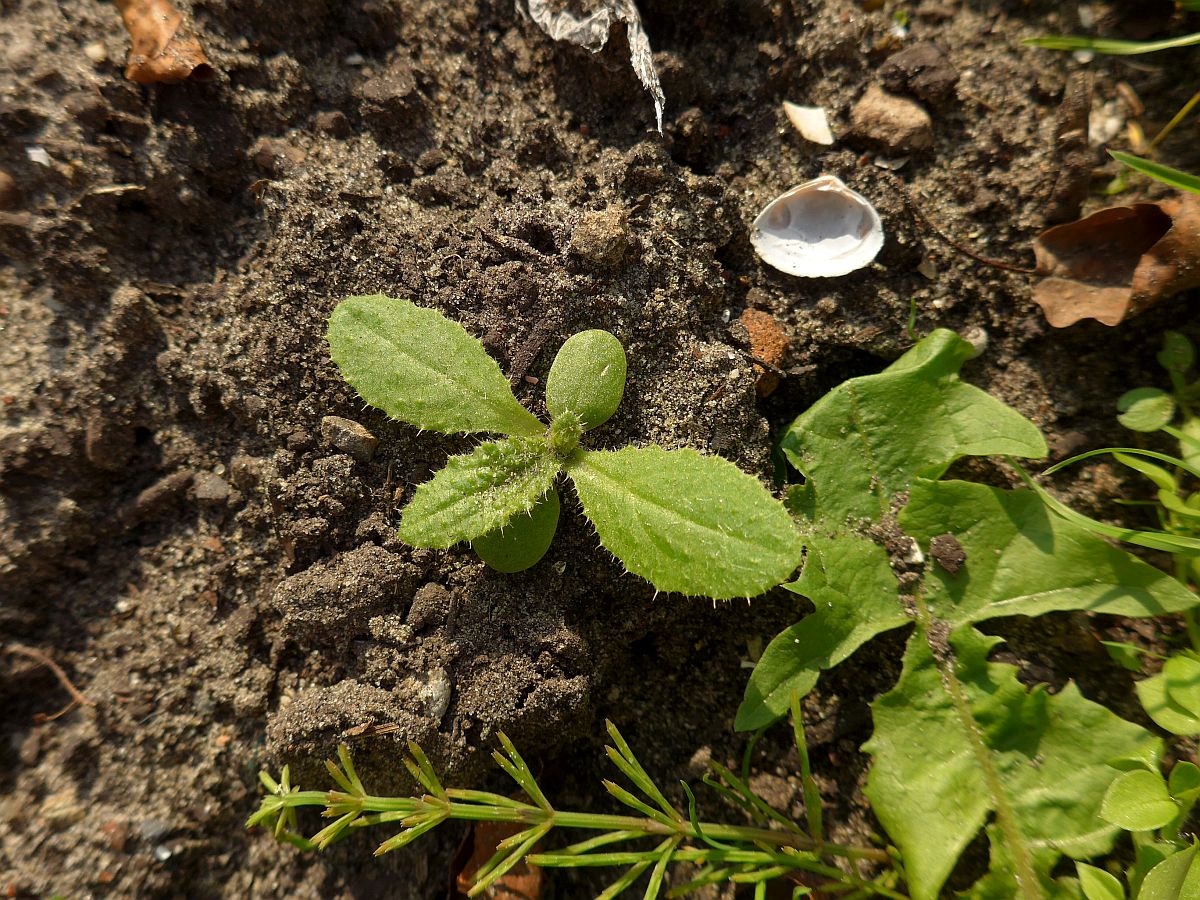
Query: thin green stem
[[1026, 878]]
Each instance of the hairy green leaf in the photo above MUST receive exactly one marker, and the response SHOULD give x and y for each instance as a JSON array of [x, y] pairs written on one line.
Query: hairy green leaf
[[866, 440], [1098, 884], [1138, 801], [479, 492], [1046, 760], [421, 368], [686, 523], [1145, 409], [1024, 560], [850, 582], [524, 540], [587, 378], [1175, 878]]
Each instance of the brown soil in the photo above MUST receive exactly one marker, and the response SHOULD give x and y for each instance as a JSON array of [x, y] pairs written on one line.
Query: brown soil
[[225, 586]]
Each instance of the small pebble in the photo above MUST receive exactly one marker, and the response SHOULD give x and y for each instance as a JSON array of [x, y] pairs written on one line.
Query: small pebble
[[602, 238], [10, 194], [895, 124], [349, 437], [921, 70], [277, 158], [948, 553], [333, 122], [430, 606], [210, 490], [768, 342], [96, 52]]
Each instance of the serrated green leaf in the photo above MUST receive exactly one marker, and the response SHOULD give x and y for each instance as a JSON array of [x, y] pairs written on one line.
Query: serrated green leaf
[[1152, 692], [1178, 354], [1145, 409], [1182, 674], [1175, 878], [850, 582], [1023, 560], [687, 523], [421, 368], [479, 492], [587, 378], [866, 440], [524, 540], [1049, 755], [1138, 801], [1098, 884]]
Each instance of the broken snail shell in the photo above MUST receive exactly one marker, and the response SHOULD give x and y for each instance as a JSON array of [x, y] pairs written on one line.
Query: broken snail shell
[[818, 229]]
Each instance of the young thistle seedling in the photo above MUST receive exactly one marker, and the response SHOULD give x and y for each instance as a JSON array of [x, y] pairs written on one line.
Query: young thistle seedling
[[685, 522]]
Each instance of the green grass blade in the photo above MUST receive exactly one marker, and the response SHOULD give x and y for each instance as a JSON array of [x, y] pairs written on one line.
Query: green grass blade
[[1176, 178], [1155, 540], [1111, 47]]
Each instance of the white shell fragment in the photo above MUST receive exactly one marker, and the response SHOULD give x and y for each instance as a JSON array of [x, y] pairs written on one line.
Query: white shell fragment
[[810, 121], [819, 229]]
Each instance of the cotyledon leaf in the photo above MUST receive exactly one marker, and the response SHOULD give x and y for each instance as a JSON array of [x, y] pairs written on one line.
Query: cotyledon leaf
[[856, 596], [479, 492], [1047, 754], [685, 522], [864, 441], [421, 368], [524, 540]]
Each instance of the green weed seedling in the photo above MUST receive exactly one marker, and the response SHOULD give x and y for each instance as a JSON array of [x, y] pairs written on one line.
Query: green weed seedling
[[1153, 809], [766, 847], [959, 745], [1172, 697], [685, 522]]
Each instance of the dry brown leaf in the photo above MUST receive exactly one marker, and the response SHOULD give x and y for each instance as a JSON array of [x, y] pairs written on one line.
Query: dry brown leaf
[[521, 882], [1118, 261], [162, 48]]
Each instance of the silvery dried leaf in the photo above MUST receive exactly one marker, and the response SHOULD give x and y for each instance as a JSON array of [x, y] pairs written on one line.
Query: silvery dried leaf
[[591, 30]]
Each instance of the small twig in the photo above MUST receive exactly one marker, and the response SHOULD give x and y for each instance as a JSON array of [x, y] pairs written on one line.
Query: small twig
[[924, 220], [77, 697]]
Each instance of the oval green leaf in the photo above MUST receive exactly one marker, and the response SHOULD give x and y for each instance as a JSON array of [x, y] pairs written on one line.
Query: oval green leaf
[[421, 368], [524, 540], [1138, 801], [687, 523], [587, 378], [1152, 692], [1177, 354], [1183, 683], [1145, 409], [1184, 781], [1098, 884]]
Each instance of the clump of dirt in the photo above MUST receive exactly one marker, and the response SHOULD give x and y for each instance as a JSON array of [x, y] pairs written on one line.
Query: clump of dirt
[[223, 580]]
